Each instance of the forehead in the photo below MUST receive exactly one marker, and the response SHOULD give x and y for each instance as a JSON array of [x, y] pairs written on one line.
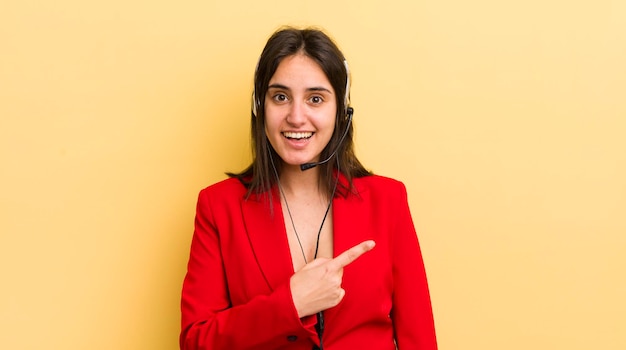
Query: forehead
[[300, 71]]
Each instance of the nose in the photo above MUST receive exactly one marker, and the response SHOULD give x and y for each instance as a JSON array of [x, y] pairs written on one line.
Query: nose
[[297, 113]]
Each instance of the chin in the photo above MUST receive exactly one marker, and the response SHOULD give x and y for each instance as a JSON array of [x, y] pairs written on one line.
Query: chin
[[297, 162], [294, 163]]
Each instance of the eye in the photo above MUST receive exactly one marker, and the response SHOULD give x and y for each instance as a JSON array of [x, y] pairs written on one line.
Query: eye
[[279, 97], [316, 100]]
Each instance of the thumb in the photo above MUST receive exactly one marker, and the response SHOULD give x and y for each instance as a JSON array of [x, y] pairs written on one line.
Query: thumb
[[315, 263]]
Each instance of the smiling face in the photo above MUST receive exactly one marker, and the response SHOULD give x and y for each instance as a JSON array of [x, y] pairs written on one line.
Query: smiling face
[[300, 110]]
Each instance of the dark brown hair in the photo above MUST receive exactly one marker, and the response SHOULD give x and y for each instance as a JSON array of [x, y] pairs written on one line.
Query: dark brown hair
[[259, 177]]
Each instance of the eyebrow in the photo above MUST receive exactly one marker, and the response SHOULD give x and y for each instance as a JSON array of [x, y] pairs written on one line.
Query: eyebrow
[[283, 87]]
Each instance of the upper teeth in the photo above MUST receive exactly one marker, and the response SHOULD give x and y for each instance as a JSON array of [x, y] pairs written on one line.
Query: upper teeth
[[298, 135]]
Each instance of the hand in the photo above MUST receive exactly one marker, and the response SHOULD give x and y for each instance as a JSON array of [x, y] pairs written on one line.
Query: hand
[[317, 286]]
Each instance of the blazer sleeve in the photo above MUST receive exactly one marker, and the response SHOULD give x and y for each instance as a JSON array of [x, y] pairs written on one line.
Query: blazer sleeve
[[209, 321], [411, 312]]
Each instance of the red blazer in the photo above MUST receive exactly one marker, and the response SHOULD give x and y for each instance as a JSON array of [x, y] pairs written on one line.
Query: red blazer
[[236, 294]]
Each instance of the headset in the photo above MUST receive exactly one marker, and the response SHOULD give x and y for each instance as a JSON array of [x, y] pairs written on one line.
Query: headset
[[349, 113]]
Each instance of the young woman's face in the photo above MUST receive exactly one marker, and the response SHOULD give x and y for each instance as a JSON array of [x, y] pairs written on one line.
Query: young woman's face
[[300, 110]]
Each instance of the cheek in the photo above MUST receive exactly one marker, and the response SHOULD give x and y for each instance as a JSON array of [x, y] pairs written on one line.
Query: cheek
[[268, 131], [270, 122], [329, 120]]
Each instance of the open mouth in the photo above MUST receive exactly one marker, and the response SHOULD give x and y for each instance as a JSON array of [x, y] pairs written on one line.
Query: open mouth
[[298, 135]]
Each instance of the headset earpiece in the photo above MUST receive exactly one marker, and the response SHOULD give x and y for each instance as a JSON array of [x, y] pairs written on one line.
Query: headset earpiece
[[346, 100], [254, 103]]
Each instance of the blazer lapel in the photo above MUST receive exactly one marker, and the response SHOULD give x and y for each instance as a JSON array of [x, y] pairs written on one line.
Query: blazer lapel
[[350, 220], [268, 238]]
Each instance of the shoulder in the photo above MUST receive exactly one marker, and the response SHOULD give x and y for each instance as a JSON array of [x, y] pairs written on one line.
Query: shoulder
[[228, 188], [377, 183], [379, 187]]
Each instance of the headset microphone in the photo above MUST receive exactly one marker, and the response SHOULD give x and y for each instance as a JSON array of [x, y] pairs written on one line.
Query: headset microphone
[[307, 166]]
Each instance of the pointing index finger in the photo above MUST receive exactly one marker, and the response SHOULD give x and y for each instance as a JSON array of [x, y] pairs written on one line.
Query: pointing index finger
[[349, 256]]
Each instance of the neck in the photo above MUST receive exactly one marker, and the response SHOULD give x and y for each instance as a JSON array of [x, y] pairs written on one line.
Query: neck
[[295, 181]]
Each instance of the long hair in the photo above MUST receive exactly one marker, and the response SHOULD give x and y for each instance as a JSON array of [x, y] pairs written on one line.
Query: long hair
[[259, 177]]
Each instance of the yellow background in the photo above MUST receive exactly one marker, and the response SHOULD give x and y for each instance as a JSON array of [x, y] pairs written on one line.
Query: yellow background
[[505, 119]]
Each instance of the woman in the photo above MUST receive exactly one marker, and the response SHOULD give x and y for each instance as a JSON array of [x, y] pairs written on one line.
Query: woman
[[305, 249]]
